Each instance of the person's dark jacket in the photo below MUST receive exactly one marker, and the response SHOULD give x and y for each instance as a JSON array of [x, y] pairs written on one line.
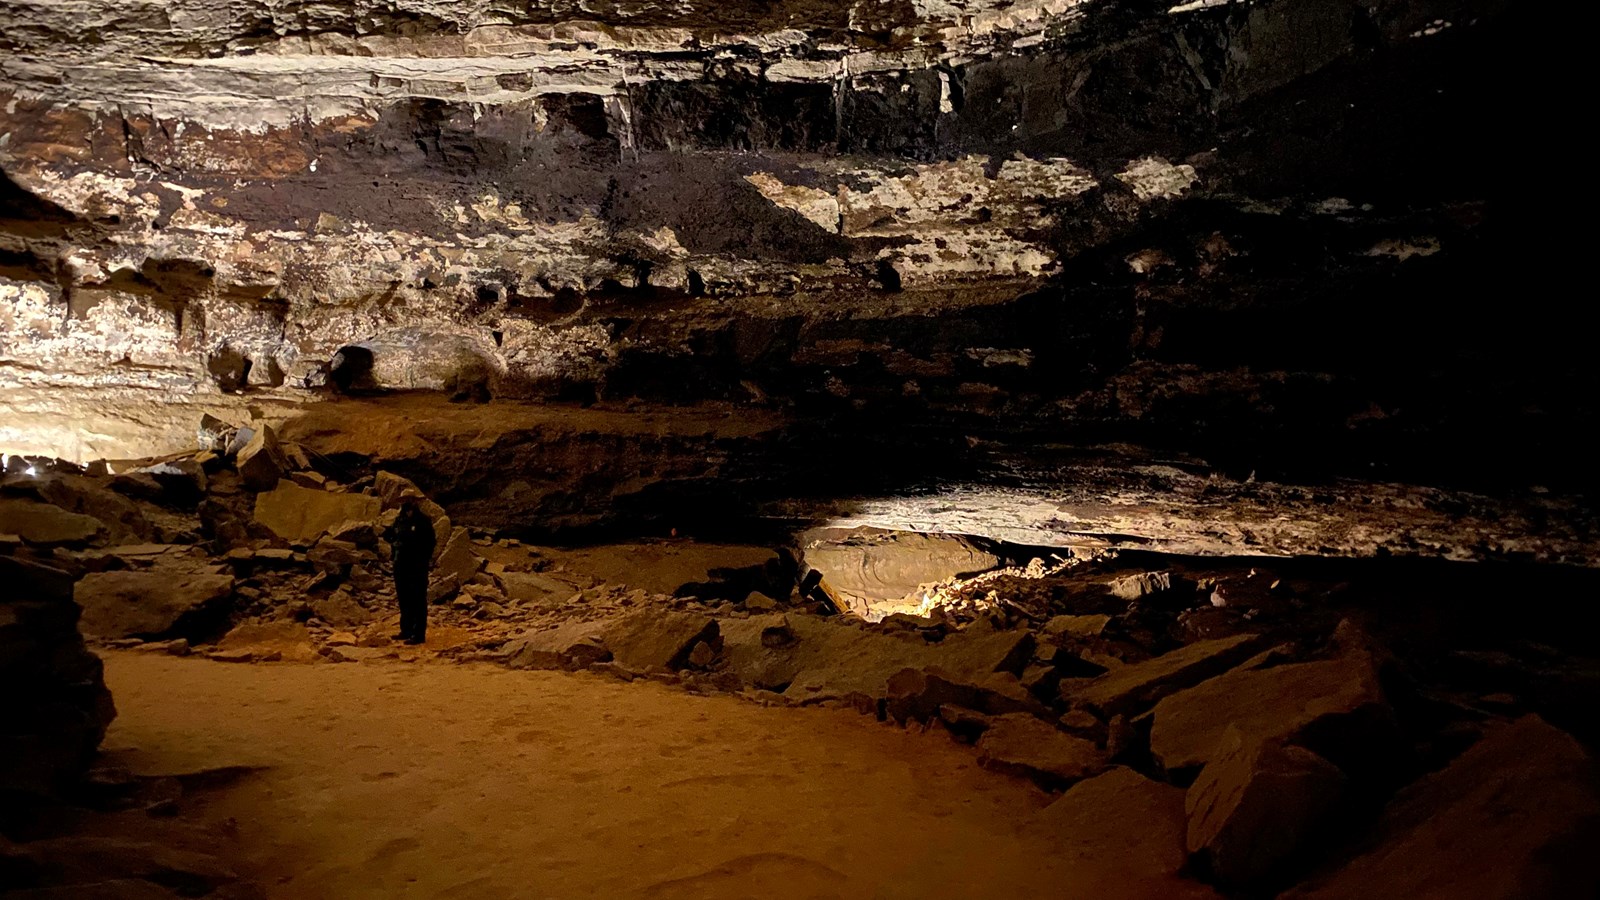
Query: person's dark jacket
[[412, 538]]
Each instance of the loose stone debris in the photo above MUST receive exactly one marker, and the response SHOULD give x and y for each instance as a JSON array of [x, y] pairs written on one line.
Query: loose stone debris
[[1246, 743]]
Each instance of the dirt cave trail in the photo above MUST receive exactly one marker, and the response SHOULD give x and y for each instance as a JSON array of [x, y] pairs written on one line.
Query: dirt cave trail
[[437, 780]]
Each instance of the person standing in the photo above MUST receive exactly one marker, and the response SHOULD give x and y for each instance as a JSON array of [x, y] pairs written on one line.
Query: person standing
[[411, 539]]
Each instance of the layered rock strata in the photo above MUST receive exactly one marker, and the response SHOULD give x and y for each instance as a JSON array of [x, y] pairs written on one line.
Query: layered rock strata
[[1236, 226]]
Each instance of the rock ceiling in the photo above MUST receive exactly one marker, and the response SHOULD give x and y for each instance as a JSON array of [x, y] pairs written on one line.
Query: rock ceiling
[[1003, 213]]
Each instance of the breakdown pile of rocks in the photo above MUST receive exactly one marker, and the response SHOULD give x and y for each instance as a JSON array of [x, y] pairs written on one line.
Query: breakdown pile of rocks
[[1222, 721], [1232, 743]]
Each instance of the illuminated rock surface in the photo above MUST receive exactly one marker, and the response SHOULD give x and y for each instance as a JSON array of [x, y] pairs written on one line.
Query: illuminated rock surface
[[1142, 394]]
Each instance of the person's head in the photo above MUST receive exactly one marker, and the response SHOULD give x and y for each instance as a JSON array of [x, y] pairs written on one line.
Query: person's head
[[410, 501]]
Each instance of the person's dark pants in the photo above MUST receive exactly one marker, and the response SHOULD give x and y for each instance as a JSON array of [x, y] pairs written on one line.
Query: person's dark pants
[[411, 589]]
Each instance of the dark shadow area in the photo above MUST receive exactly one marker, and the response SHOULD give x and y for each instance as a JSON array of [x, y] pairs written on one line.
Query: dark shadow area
[[350, 370]]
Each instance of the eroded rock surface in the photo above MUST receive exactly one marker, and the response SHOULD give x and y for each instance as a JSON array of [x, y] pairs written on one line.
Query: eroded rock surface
[[1033, 223]]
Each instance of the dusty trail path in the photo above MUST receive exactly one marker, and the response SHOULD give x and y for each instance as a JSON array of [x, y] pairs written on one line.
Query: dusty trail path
[[438, 780]]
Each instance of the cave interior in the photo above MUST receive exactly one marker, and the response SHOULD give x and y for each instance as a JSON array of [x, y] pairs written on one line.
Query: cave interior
[[925, 448]]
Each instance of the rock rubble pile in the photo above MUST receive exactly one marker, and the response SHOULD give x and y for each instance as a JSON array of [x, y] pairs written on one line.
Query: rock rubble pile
[[1236, 721]]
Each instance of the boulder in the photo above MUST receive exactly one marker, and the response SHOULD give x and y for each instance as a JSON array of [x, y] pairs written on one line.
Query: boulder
[[159, 602], [922, 694], [139, 485], [1334, 706], [341, 610], [314, 480], [458, 560], [1257, 803], [179, 481], [1076, 626], [1130, 689], [261, 462], [360, 532], [440, 590], [1021, 744], [1043, 682], [759, 602], [762, 650], [240, 437], [657, 638], [532, 588], [870, 569], [296, 456], [1122, 820], [908, 620], [976, 653], [330, 555], [838, 662], [1141, 585], [391, 487], [124, 520], [299, 514], [829, 659], [573, 645], [1515, 816], [289, 641], [31, 580], [45, 523], [702, 655], [964, 724]]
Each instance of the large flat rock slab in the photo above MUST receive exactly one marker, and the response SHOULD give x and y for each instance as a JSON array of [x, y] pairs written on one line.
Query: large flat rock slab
[[1128, 824], [1024, 745], [653, 639], [835, 661], [569, 645], [150, 603], [46, 523], [1339, 697], [1134, 687], [301, 514]]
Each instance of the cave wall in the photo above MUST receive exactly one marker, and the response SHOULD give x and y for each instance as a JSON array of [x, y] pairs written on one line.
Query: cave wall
[[1224, 225]]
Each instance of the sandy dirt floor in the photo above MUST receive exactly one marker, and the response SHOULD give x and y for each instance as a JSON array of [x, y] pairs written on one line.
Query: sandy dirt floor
[[442, 780]]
